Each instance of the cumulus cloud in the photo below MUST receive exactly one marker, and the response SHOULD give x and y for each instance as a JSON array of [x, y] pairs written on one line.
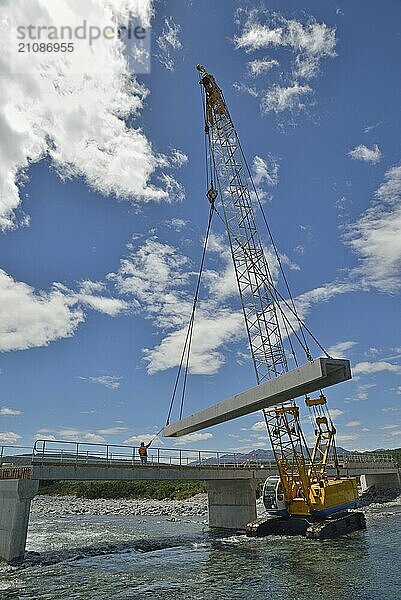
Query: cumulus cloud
[[9, 438], [247, 89], [340, 350], [308, 43], [336, 412], [376, 236], [144, 437], [5, 411], [176, 224], [79, 435], [362, 152], [259, 66], [168, 42], [62, 108], [29, 319], [366, 368], [265, 170], [305, 302], [161, 280], [279, 98], [110, 381], [259, 426], [192, 438]]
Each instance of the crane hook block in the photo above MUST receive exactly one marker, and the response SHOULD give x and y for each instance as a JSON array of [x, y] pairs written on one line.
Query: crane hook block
[[212, 195]]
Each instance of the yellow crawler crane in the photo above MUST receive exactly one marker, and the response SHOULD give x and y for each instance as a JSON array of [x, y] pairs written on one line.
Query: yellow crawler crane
[[302, 498]]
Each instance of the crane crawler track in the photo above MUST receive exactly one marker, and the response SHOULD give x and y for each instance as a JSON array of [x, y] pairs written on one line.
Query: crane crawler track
[[329, 528]]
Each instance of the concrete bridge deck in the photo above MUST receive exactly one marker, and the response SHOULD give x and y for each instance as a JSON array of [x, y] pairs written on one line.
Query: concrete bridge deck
[[63, 460], [230, 481]]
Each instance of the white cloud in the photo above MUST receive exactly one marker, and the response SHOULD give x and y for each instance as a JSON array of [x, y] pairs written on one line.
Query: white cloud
[[336, 412], [390, 426], [304, 302], [178, 158], [192, 438], [111, 430], [396, 433], [309, 42], [347, 437], [210, 334], [9, 438], [39, 435], [362, 152], [376, 236], [265, 170], [314, 39], [30, 319], [259, 66], [168, 42], [110, 381], [366, 368], [70, 434], [339, 350], [9, 411], [161, 281], [259, 426], [176, 224], [247, 89], [78, 435], [87, 296], [353, 424], [76, 116], [391, 409], [279, 98], [371, 127], [144, 437]]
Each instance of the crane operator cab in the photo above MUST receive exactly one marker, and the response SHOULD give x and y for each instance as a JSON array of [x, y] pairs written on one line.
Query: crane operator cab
[[273, 496]]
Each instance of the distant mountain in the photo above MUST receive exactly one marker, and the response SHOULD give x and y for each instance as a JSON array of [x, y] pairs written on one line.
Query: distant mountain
[[258, 455]]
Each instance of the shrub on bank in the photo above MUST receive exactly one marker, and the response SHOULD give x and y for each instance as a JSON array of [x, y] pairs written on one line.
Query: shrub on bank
[[159, 490]]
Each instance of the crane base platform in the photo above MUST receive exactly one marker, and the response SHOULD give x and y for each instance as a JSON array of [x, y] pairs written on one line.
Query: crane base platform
[[332, 527], [312, 377]]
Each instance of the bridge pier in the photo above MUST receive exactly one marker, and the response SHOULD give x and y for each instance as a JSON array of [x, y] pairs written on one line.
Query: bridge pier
[[232, 502], [15, 503], [381, 480]]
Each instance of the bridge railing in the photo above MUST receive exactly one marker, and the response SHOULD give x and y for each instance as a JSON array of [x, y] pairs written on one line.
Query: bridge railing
[[9, 453], [71, 452], [369, 457], [62, 452]]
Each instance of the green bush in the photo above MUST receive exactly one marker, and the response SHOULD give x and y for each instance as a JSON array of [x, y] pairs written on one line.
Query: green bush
[[172, 490]]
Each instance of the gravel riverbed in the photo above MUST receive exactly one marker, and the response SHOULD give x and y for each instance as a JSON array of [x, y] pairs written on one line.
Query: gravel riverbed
[[70, 505], [195, 506]]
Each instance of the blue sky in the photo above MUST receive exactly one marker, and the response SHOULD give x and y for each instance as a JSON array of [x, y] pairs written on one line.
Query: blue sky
[[103, 213]]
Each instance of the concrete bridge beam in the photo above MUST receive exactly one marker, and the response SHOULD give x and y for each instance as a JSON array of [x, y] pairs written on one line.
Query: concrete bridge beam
[[232, 503], [15, 503]]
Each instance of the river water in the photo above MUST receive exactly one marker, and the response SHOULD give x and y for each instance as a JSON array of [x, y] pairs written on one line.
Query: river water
[[116, 557]]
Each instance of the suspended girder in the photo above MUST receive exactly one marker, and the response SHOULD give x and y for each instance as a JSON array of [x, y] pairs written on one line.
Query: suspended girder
[[312, 377]]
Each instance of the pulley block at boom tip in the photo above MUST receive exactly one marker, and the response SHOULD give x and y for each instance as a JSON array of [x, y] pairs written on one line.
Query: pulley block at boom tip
[[309, 378]]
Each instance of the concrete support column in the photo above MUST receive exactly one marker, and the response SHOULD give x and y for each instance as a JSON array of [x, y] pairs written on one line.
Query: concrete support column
[[232, 502], [380, 480], [15, 503]]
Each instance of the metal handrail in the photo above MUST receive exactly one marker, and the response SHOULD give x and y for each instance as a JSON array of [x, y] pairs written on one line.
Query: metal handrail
[[84, 452], [78, 453]]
